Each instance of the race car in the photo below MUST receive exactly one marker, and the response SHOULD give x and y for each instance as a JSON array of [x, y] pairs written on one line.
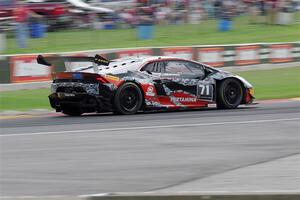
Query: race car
[[130, 85]]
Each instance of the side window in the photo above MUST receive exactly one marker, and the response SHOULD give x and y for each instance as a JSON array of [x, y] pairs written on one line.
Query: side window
[[156, 67], [177, 67], [197, 69], [148, 67]]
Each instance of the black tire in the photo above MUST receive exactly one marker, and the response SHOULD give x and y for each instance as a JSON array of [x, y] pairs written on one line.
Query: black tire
[[229, 94], [128, 99]]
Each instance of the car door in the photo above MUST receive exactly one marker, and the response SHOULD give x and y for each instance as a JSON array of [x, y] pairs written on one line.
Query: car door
[[183, 82], [179, 82]]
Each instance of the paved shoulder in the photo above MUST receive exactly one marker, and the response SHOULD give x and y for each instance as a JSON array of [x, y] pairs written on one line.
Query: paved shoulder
[[277, 175]]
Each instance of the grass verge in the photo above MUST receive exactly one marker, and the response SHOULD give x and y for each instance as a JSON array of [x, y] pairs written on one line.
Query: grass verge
[[24, 100], [204, 33], [268, 84], [275, 83]]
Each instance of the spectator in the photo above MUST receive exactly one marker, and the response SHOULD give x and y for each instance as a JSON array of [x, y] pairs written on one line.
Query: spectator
[[145, 15], [262, 9], [272, 6], [161, 15], [253, 11], [217, 7], [22, 14]]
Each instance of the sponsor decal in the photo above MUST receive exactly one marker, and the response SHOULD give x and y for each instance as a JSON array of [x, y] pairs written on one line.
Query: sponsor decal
[[114, 78], [212, 56], [179, 52], [26, 69], [183, 99], [150, 91], [62, 95], [281, 53], [99, 60], [247, 55], [134, 53]]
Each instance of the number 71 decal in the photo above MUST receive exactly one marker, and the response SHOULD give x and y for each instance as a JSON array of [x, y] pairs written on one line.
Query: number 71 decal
[[205, 91]]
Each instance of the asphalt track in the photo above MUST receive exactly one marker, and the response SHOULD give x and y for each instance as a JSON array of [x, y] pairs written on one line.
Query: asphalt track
[[59, 155]]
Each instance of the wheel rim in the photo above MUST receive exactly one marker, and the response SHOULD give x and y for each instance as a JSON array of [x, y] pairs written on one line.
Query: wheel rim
[[129, 99], [233, 93]]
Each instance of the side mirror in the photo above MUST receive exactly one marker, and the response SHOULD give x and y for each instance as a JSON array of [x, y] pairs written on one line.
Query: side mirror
[[207, 72]]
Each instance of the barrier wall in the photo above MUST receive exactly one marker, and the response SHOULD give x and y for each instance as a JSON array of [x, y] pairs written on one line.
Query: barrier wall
[[24, 68]]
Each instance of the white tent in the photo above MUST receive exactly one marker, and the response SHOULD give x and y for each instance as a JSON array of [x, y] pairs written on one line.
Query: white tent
[[83, 5]]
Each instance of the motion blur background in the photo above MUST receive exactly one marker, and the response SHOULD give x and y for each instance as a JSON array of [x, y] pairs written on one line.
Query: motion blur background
[[71, 25], [253, 148], [240, 32]]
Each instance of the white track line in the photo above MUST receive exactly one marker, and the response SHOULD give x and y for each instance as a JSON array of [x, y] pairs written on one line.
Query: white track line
[[150, 127]]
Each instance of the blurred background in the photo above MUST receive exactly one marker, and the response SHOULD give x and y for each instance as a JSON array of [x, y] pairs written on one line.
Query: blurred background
[[255, 148], [240, 32], [33, 26]]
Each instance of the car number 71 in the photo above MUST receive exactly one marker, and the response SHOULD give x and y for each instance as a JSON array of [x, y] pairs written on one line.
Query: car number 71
[[205, 92]]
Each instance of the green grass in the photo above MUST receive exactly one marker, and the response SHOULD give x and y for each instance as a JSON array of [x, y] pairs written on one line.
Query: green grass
[[274, 84], [268, 84], [24, 100], [186, 34]]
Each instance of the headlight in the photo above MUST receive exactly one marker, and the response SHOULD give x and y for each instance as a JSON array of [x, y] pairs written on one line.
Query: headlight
[[251, 92]]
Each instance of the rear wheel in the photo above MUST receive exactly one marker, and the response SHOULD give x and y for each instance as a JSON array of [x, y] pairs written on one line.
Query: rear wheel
[[230, 94], [128, 99]]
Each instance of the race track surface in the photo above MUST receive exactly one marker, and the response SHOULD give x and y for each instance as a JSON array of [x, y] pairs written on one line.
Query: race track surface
[[60, 155]]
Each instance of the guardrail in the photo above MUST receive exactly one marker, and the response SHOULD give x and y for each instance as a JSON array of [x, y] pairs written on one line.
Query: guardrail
[[24, 68]]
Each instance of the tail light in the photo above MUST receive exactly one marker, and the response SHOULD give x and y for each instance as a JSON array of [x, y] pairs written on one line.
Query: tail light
[[101, 79], [84, 76]]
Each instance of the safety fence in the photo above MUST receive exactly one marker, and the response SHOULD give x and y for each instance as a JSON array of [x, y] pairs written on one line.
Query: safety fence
[[24, 68]]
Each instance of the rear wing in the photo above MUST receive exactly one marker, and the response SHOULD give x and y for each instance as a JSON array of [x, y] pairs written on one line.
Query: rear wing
[[97, 60]]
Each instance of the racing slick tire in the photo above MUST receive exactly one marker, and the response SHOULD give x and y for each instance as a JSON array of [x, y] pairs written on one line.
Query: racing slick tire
[[229, 94], [128, 99]]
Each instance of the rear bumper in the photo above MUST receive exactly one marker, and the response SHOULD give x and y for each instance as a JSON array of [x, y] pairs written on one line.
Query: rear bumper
[[85, 102]]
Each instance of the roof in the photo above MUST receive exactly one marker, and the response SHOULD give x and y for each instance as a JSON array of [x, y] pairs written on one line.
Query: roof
[[122, 65]]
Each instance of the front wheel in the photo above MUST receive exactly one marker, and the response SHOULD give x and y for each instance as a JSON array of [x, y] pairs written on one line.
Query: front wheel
[[128, 99], [230, 94]]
